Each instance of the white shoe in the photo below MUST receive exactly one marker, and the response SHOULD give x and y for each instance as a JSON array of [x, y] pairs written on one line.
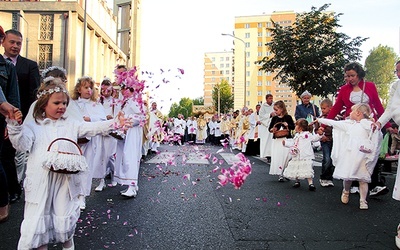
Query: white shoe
[[354, 190], [131, 192], [72, 247], [101, 186], [397, 237], [114, 183], [363, 205], [82, 201]]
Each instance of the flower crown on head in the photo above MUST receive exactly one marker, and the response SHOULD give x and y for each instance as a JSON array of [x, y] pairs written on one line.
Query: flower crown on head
[[46, 71], [50, 91]]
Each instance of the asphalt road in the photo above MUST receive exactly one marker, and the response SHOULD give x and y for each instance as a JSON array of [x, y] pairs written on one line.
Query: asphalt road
[[181, 206]]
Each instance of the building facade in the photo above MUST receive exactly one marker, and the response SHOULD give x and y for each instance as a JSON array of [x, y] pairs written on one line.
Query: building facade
[[251, 36], [54, 34], [217, 67]]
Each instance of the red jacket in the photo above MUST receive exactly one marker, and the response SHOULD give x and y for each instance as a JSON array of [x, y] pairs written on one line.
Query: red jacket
[[343, 100]]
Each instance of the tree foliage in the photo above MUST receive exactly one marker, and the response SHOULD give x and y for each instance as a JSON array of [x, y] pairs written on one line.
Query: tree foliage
[[379, 67], [184, 107], [226, 97], [310, 54], [198, 101]]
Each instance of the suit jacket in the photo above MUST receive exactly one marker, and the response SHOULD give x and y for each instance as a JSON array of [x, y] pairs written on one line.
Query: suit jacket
[[28, 82]]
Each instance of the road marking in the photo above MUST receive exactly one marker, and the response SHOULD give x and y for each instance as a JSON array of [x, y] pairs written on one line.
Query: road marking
[[162, 157], [197, 158], [229, 158]]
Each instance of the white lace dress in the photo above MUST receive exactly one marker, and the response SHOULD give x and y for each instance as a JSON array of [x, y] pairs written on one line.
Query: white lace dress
[[51, 199]]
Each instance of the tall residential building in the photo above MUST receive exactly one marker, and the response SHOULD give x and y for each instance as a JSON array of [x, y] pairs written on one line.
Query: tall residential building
[[54, 34], [217, 67], [251, 36]]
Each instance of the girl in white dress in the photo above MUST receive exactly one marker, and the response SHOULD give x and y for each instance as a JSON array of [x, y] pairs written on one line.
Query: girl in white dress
[[301, 164], [51, 198], [110, 143], [351, 162], [86, 100], [280, 154], [129, 150]]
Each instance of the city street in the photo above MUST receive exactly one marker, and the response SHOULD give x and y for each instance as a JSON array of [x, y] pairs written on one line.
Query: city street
[[180, 205]]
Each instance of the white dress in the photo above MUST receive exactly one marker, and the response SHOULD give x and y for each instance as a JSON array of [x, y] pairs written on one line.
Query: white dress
[[51, 199], [263, 131], [301, 164], [93, 150], [393, 111], [129, 150], [350, 163], [110, 143]]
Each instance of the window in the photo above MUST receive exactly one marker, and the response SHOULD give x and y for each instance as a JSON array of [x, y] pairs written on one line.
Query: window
[[213, 65], [259, 34], [259, 53], [268, 73], [259, 83], [268, 34], [45, 56], [221, 65], [259, 44], [247, 73], [227, 65], [213, 59], [227, 58], [259, 73], [268, 83], [226, 72], [212, 72], [268, 53], [15, 24], [247, 35], [247, 26], [269, 24], [259, 25], [46, 27], [247, 64], [221, 59], [247, 45], [259, 93], [247, 54]]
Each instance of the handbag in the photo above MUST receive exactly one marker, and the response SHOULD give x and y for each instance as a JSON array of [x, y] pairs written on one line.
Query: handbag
[[282, 132], [65, 162]]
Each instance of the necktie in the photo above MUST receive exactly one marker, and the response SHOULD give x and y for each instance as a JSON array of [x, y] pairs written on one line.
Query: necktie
[[10, 60]]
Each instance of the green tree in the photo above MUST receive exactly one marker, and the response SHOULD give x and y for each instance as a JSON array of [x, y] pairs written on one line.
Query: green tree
[[226, 97], [198, 101], [184, 107], [310, 54], [379, 67]]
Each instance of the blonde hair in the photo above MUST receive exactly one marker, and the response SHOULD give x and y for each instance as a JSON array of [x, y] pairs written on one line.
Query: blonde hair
[[81, 82], [281, 105], [363, 108]]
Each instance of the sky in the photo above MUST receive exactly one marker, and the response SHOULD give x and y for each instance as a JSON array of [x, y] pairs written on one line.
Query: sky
[[177, 33]]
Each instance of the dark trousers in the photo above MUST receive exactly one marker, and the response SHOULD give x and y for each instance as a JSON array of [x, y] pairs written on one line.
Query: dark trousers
[[327, 166], [8, 162], [3, 177]]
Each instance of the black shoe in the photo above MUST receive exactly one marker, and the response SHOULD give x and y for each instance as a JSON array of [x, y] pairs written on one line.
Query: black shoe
[[14, 198], [296, 184], [281, 179], [378, 190], [311, 187]]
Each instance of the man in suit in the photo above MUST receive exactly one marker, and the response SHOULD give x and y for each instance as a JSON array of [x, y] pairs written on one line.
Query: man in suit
[[9, 100], [28, 83]]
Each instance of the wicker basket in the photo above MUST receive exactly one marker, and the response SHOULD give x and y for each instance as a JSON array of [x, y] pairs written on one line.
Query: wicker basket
[[282, 132], [65, 162]]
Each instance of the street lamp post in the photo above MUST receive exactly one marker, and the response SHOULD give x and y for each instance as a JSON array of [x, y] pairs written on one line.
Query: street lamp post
[[27, 32], [244, 49], [219, 100]]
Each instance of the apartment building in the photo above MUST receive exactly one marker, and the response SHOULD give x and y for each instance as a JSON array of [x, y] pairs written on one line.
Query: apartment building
[[85, 37], [217, 67], [251, 85]]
